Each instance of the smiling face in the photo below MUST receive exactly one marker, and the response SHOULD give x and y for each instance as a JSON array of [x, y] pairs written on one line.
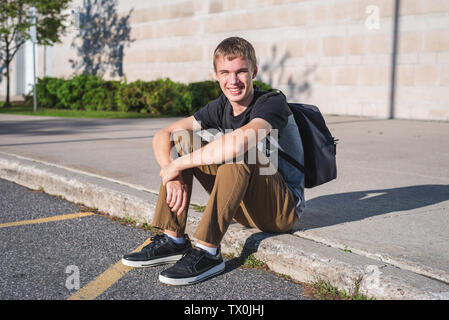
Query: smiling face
[[236, 79]]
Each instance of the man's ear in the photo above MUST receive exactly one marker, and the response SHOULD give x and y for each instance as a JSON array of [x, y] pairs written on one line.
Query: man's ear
[[255, 72]]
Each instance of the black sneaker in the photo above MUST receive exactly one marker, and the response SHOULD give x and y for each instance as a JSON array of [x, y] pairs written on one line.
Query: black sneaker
[[161, 250], [196, 265]]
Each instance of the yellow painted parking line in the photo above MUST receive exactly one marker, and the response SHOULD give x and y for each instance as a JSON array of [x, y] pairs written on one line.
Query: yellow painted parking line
[[47, 219], [101, 283]]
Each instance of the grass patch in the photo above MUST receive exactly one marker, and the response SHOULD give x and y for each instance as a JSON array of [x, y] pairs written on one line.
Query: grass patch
[[197, 207], [284, 276], [252, 262], [347, 250], [319, 289], [128, 221], [24, 109], [324, 290], [246, 260]]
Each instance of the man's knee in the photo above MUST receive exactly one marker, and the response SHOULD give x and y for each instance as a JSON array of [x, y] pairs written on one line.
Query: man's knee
[[234, 170], [185, 141]]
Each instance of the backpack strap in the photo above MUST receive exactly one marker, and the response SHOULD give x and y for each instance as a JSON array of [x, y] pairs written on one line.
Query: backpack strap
[[292, 161], [284, 155]]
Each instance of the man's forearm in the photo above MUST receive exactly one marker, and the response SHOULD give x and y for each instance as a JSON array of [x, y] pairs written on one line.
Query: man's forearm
[[162, 148], [221, 150]]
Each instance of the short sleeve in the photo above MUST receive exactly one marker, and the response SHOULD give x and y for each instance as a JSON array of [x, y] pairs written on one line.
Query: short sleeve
[[274, 110], [210, 116]]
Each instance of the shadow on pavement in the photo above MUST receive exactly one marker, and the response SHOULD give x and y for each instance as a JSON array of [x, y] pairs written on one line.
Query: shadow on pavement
[[351, 206]]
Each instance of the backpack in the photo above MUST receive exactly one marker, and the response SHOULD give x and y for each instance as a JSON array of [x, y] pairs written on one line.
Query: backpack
[[320, 147]]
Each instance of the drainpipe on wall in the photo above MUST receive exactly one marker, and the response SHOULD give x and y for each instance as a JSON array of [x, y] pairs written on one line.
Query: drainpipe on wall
[[394, 58]]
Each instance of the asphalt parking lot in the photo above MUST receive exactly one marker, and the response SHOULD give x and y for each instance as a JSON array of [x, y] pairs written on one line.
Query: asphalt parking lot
[[52, 249]]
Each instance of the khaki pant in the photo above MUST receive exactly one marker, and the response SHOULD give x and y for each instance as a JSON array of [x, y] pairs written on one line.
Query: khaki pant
[[237, 191]]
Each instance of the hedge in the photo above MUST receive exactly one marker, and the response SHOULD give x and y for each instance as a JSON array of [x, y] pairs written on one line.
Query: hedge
[[157, 97]]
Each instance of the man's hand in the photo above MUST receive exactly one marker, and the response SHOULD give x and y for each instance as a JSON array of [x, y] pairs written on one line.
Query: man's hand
[[176, 195], [169, 172]]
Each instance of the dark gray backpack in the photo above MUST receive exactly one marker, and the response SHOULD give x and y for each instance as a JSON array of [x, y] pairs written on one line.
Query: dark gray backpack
[[320, 147]]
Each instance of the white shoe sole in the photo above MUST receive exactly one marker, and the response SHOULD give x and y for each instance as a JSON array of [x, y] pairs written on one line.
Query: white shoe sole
[[186, 281], [151, 263]]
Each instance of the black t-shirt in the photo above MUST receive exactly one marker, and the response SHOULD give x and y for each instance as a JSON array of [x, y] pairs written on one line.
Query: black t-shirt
[[218, 114]]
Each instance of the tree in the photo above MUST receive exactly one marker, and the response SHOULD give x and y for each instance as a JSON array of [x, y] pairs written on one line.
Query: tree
[[15, 23]]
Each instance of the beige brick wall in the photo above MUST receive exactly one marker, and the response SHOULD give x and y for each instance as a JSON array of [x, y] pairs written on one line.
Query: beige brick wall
[[332, 53], [423, 48]]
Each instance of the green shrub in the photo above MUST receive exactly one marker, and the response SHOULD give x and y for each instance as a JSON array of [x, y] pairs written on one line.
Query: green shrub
[[53, 85], [101, 98], [131, 96], [157, 97], [262, 85], [112, 88], [71, 92], [201, 93], [166, 97], [43, 97]]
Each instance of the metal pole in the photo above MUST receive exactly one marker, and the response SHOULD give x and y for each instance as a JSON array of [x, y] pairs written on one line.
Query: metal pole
[[394, 59], [34, 79], [34, 40]]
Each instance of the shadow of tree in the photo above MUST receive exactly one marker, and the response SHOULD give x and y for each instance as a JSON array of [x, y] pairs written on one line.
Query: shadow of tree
[[272, 71], [303, 87], [101, 38], [351, 206]]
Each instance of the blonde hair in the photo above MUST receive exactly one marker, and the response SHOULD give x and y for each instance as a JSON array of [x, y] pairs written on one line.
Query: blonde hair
[[235, 47]]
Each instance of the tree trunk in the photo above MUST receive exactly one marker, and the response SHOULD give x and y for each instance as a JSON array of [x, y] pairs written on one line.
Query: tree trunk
[[7, 102]]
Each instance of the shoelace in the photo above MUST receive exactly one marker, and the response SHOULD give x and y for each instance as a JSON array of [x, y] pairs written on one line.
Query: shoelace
[[155, 241], [190, 256]]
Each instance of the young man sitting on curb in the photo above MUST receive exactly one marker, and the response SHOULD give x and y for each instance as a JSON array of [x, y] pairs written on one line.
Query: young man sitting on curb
[[238, 190]]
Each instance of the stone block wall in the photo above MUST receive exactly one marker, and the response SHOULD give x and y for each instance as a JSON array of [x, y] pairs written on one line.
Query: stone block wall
[[336, 54]]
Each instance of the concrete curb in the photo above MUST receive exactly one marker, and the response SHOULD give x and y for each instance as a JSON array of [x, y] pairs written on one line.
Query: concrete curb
[[302, 259]]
